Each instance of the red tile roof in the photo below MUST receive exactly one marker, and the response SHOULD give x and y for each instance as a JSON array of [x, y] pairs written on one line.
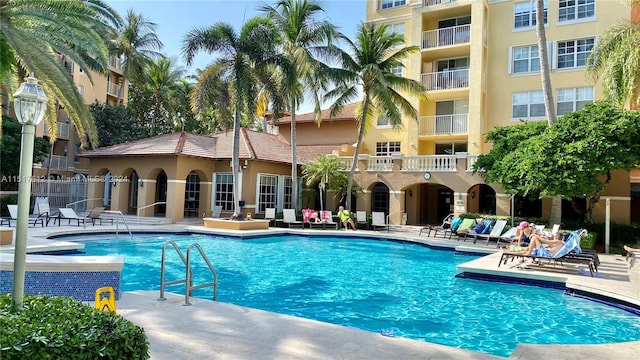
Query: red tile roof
[[306, 153], [346, 113]]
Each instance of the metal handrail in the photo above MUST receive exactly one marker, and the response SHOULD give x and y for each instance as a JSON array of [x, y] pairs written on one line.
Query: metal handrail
[[81, 201], [189, 287], [162, 267], [148, 206], [124, 221]]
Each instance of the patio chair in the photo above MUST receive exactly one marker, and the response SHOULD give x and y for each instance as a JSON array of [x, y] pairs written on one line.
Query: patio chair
[[216, 211], [446, 224], [464, 225], [270, 214], [69, 214], [569, 253], [508, 235], [290, 218], [361, 218], [94, 215], [632, 255], [44, 211], [13, 213], [495, 233], [327, 219], [480, 228], [378, 220]]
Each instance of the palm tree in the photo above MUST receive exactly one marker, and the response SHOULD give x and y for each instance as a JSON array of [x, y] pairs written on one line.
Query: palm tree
[[136, 44], [234, 77], [325, 169], [161, 77], [33, 33], [302, 38], [616, 60], [369, 71], [547, 92]]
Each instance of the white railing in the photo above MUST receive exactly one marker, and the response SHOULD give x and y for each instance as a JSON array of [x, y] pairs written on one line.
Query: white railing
[[436, 2], [113, 89], [61, 133], [471, 160], [443, 124], [429, 163], [55, 162], [448, 79], [59, 193], [148, 206], [380, 163], [454, 35], [348, 161]]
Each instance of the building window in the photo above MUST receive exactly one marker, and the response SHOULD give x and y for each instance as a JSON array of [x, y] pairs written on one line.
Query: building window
[[224, 191], [525, 59], [524, 14], [192, 194], [574, 53], [387, 148], [388, 4], [267, 192], [569, 10], [528, 104], [450, 148], [287, 199], [397, 29], [573, 99]]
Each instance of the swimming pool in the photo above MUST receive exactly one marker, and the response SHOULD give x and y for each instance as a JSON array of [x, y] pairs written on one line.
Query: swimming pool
[[403, 289]]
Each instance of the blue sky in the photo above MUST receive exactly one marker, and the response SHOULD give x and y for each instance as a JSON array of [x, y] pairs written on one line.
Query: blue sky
[[174, 18]]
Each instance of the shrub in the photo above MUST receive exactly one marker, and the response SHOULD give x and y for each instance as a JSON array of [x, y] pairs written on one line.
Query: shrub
[[62, 328], [588, 241]]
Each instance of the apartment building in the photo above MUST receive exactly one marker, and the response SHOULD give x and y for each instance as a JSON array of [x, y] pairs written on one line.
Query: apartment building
[[479, 62]]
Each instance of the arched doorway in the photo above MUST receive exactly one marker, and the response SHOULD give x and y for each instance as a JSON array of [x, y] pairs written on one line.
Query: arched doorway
[[161, 193], [486, 199], [192, 195], [380, 198], [133, 192]]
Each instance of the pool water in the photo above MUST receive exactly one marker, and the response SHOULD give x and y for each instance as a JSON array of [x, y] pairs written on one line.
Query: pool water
[[389, 287]]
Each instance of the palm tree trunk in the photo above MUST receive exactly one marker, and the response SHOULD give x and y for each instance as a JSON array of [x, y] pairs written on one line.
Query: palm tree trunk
[[294, 157], [356, 152], [235, 165], [556, 202]]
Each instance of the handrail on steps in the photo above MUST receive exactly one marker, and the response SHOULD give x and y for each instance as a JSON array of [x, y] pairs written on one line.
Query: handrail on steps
[[84, 224], [148, 206]]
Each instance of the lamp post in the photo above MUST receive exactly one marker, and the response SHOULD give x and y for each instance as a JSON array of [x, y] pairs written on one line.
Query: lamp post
[[30, 104]]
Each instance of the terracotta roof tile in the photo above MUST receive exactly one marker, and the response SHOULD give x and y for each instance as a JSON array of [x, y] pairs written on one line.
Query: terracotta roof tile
[[306, 153]]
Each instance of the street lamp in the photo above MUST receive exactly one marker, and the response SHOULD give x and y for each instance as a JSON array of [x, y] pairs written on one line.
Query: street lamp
[[30, 104]]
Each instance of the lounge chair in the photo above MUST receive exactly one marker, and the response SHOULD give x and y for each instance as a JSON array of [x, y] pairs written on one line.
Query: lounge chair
[[270, 214], [484, 229], [569, 253], [327, 219], [290, 218], [94, 216], [508, 235], [446, 224], [306, 216], [378, 220], [361, 218], [216, 211], [13, 213], [495, 233], [69, 214], [466, 224], [632, 255], [44, 211]]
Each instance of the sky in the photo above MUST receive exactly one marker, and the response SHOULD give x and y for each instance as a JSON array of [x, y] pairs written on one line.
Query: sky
[[174, 18]]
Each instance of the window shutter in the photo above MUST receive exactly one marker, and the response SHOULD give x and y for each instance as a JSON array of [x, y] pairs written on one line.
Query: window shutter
[[552, 47], [510, 57]]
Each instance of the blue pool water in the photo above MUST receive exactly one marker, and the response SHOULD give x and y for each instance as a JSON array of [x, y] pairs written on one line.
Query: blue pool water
[[404, 289]]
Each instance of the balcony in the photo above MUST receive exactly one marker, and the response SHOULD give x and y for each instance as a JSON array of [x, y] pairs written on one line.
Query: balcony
[[61, 133], [413, 163], [452, 124], [448, 79], [113, 89], [456, 35], [436, 2], [115, 62], [56, 162]]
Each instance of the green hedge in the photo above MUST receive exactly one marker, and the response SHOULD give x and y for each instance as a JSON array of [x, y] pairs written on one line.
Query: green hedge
[[62, 328]]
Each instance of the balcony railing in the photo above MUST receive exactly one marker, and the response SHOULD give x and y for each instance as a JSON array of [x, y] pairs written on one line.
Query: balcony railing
[[448, 79], [429, 163], [455, 35], [113, 89], [380, 163], [436, 2], [61, 133], [443, 124], [57, 162], [471, 160], [115, 62]]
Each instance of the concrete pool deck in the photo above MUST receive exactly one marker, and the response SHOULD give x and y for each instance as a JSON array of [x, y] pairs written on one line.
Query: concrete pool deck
[[208, 330]]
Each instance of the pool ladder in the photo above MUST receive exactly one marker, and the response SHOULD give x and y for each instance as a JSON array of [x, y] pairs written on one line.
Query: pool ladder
[[188, 279]]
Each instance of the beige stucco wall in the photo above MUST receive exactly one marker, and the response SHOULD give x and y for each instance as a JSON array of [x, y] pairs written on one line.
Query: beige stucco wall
[[329, 132]]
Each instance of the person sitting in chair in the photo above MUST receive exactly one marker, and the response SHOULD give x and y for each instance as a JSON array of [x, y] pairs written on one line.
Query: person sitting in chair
[[345, 217], [315, 218]]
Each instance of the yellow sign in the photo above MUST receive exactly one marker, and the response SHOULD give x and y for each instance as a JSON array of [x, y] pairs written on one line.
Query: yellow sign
[[107, 303]]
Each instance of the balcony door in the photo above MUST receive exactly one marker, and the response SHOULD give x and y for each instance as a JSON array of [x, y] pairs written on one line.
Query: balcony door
[[451, 116]]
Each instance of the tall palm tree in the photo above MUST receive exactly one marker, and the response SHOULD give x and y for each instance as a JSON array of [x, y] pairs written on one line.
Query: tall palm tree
[[241, 66], [137, 44], [33, 33], [368, 73], [162, 77], [547, 93], [303, 37], [616, 60]]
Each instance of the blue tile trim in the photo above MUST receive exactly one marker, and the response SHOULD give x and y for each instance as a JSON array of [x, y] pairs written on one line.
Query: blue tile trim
[[79, 285]]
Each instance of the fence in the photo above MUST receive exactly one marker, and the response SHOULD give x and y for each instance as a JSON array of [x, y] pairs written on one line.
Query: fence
[[61, 192]]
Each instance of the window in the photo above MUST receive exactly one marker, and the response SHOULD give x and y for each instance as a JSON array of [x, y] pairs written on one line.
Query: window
[[525, 59], [450, 148], [387, 148], [388, 4], [192, 194], [384, 121], [573, 99], [287, 202], [133, 190], [267, 192], [397, 70], [524, 14], [224, 191], [569, 10], [397, 29], [528, 104], [574, 53]]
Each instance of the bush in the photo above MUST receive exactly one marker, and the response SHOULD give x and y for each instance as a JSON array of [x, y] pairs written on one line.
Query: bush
[[62, 328], [588, 241]]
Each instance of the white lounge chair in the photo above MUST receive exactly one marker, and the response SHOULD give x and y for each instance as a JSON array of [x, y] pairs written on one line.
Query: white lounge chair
[[495, 233], [216, 211], [446, 224], [94, 216], [378, 220], [13, 213], [270, 214], [327, 219], [290, 218], [69, 214], [361, 218]]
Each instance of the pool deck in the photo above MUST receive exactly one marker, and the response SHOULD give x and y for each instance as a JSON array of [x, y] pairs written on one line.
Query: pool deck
[[208, 329]]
